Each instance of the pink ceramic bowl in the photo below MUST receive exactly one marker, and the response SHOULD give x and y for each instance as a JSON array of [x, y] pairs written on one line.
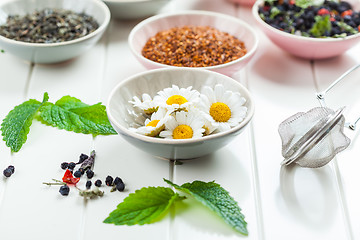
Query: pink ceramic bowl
[[243, 2], [149, 27], [305, 47]]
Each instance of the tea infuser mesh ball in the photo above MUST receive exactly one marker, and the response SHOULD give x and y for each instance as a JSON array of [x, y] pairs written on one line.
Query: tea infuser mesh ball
[[312, 139]]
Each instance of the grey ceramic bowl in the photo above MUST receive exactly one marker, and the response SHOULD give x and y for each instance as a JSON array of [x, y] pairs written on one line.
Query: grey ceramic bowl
[[120, 111], [132, 9], [54, 52]]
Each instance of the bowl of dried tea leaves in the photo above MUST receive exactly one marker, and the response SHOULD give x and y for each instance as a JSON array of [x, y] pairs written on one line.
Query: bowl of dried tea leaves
[[43, 31]]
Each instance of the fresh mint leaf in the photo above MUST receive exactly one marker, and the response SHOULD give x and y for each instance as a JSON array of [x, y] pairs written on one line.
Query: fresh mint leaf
[[146, 205], [16, 125], [321, 26], [218, 200], [70, 114]]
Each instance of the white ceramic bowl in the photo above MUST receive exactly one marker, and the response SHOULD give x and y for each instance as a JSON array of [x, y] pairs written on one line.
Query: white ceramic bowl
[[54, 52], [120, 111], [305, 47], [149, 27], [132, 9]]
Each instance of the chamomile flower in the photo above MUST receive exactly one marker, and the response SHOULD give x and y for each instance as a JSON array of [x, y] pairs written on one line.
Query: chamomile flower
[[148, 105], [183, 125], [177, 98], [224, 109], [155, 124]]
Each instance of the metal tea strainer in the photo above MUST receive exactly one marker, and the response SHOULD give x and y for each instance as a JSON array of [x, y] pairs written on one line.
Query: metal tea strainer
[[312, 139]]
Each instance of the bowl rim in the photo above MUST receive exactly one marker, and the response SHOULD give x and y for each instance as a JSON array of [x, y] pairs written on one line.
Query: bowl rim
[[255, 13], [149, 20], [133, 1], [100, 29], [245, 93]]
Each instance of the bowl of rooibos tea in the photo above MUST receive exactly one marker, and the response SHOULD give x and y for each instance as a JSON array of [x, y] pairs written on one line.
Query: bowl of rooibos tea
[[43, 31], [194, 39]]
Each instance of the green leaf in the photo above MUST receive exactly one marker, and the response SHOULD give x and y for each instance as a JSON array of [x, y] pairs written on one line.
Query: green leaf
[[322, 24], [16, 125], [71, 114], [146, 205], [218, 200]]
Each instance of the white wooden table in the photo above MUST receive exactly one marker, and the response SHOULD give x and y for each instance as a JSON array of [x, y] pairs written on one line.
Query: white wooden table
[[279, 203]]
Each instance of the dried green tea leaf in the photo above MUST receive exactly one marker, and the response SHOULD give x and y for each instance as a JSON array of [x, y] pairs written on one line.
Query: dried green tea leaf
[[146, 205], [213, 196], [71, 114], [16, 125]]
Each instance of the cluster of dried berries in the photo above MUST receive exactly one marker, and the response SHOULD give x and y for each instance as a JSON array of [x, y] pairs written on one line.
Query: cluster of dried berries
[[48, 26], [72, 177], [9, 171], [193, 46]]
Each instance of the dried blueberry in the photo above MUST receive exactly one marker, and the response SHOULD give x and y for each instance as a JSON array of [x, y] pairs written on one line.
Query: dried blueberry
[[7, 172], [71, 165], [120, 186], [117, 180], [77, 173], [64, 190], [89, 173], [88, 184], [98, 183], [64, 165], [82, 158], [109, 181]]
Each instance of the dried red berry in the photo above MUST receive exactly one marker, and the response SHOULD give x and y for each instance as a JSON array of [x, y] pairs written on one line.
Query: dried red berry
[[69, 178], [323, 11]]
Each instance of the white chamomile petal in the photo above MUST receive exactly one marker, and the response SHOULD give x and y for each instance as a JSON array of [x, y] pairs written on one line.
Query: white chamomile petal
[[177, 98], [224, 109], [147, 104], [155, 124], [184, 125]]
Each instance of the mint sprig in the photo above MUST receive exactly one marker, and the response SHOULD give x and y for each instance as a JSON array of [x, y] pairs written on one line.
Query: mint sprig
[[71, 114], [16, 124], [68, 113], [145, 206], [217, 199]]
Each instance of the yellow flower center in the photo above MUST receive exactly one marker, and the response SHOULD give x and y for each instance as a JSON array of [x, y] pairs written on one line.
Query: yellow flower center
[[220, 112], [176, 99], [182, 132], [152, 123]]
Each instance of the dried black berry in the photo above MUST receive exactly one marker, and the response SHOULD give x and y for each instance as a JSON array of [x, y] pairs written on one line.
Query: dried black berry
[[88, 184], [77, 174], [98, 183], [117, 180], [12, 168], [7, 172], [120, 186], [82, 158], [64, 165], [109, 181], [89, 173], [64, 190], [71, 165]]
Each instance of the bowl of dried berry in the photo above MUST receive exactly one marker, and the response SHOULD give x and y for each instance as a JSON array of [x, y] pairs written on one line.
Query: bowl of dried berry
[[133, 9], [309, 29], [43, 31], [179, 113], [199, 39]]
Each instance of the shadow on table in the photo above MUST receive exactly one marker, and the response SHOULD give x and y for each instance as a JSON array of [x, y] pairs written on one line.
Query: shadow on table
[[308, 195]]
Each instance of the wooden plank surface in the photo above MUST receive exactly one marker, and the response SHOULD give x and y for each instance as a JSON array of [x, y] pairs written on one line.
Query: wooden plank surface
[[278, 202]]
